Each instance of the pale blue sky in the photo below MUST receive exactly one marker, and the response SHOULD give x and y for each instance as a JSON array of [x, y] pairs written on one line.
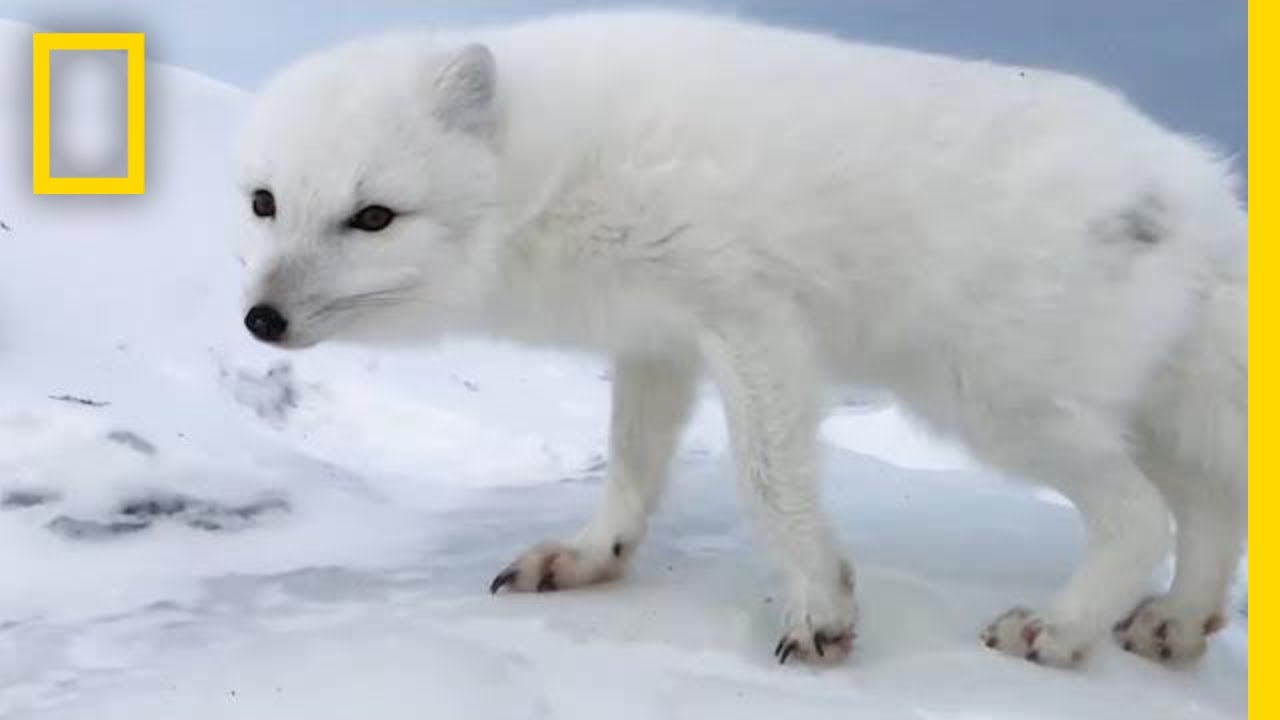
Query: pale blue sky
[[1183, 60]]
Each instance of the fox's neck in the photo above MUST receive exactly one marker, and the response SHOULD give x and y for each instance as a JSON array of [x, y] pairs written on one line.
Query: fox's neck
[[544, 280], [526, 291]]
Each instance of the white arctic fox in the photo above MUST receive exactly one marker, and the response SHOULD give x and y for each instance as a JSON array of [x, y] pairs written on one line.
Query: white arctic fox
[[1024, 259]]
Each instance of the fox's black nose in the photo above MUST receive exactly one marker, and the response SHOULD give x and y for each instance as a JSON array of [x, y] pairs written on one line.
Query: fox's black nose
[[266, 323]]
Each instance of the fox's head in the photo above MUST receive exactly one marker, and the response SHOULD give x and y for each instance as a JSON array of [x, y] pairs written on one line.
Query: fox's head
[[368, 177]]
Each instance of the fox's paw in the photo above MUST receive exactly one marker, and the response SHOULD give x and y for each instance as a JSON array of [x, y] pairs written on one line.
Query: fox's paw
[[821, 619], [1027, 634], [559, 566], [1159, 631], [822, 645]]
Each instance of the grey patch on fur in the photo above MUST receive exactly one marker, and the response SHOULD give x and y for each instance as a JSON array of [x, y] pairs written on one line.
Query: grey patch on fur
[[17, 499], [619, 234], [272, 395], [140, 513], [131, 440], [675, 232], [1142, 222], [613, 234], [1143, 225]]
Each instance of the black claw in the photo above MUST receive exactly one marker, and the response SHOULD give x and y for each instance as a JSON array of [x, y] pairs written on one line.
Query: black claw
[[503, 578], [788, 647], [777, 651], [1128, 645], [991, 641], [547, 583], [1165, 652], [1034, 656]]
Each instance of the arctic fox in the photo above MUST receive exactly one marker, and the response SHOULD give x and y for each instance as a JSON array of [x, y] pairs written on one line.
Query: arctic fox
[[1028, 262]]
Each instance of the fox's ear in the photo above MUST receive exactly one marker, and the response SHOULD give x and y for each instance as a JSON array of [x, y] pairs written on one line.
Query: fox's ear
[[465, 92]]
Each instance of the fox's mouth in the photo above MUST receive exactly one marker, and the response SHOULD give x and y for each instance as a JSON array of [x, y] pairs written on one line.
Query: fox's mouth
[[328, 319], [347, 304]]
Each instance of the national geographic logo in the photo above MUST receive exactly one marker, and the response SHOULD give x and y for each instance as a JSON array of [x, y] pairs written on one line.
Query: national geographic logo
[[89, 142]]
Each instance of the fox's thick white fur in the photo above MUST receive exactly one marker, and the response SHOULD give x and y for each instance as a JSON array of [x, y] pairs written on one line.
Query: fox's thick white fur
[[1030, 264]]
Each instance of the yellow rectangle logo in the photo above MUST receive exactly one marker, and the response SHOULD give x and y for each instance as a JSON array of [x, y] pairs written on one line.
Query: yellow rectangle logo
[[133, 182]]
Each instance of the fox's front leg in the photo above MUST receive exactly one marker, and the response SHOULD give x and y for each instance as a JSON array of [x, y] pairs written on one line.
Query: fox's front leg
[[652, 396], [768, 379]]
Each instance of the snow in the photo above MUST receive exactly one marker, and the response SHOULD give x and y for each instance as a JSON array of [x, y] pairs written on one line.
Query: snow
[[232, 532]]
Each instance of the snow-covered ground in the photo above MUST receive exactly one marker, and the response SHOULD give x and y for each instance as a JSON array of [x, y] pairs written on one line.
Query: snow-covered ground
[[193, 526]]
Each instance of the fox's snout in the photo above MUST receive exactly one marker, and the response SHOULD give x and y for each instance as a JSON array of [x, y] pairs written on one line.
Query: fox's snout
[[266, 323]]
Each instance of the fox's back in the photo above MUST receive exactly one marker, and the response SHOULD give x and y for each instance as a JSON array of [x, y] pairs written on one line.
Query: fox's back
[[709, 89], [940, 192], [752, 123]]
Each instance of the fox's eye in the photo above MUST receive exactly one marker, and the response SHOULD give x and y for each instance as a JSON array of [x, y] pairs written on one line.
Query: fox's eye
[[372, 219], [264, 204]]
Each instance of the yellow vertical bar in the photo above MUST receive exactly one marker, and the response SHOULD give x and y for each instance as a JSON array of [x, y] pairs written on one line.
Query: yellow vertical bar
[[137, 120], [1261, 460], [39, 113]]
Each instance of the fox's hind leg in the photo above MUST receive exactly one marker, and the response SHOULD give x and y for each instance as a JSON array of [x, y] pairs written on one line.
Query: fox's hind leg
[[1128, 525], [1192, 440], [652, 397], [1211, 524]]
